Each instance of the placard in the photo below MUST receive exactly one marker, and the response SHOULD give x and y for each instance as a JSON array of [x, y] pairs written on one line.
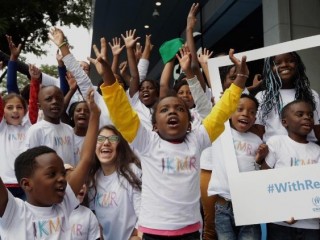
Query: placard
[[276, 194]]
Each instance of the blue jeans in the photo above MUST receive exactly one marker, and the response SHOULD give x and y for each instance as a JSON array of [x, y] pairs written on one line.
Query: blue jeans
[[226, 228], [189, 236], [278, 232]]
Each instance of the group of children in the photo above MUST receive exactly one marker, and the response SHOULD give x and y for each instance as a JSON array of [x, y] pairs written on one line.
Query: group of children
[[135, 153]]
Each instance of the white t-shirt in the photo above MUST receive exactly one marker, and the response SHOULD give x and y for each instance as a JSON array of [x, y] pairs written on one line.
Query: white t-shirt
[[84, 224], [273, 124], [206, 159], [144, 113], [59, 137], [116, 204], [285, 152], [78, 141], [12, 143], [24, 221], [245, 146], [170, 197]]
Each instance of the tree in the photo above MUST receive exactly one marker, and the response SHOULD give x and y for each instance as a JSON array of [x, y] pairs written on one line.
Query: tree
[[28, 22]]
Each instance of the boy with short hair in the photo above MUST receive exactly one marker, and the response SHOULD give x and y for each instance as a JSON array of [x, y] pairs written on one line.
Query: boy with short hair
[[294, 150], [247, 158], [50, 199], [51, 131]]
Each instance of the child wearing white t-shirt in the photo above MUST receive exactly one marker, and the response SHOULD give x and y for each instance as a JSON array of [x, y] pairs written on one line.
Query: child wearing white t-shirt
[[250, 150], [51, 131], [16, 117], [50, 199], [115, 189], [294, 150], [84, 224], [285, 80], [170, 198]]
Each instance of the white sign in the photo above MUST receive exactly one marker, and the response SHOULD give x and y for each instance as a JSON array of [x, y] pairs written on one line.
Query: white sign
[[276, 194]]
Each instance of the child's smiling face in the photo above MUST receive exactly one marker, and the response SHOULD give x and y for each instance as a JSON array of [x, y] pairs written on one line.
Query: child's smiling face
[[286, 66], [245, 115], [172, 119], [14, 111], [48, 183]]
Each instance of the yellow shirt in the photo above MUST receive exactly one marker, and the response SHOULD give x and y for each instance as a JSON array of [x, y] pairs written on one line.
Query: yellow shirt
[[127, 121]]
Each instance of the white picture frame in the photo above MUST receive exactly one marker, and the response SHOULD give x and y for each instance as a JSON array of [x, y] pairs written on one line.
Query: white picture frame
[[252, 197]]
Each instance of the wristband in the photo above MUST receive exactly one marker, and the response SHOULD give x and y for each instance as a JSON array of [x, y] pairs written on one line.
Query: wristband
[[242, 75], [62, 44]]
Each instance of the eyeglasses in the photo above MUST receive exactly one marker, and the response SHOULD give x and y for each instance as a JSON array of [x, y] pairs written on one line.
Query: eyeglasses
[[111, 139]]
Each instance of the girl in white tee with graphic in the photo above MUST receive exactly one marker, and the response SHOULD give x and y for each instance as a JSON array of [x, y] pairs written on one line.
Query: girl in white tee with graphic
[[285, 80], [115, 188]]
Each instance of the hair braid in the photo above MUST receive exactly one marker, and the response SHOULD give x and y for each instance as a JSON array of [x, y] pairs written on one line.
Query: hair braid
[[271, 98]]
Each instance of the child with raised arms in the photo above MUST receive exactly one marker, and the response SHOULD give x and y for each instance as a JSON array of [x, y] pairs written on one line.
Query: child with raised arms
[[247, 159], [170, 153], [50, 199], [16, 117], [294, 150]]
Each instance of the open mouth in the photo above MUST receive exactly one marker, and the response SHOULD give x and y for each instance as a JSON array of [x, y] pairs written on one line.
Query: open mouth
[[243, 122], [106, 152], [82, 118], [61, 191], [173, 122], [145, 95], [15, 117]]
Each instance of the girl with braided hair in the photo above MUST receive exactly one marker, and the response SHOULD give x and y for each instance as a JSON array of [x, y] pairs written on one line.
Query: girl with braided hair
[[285, 80]]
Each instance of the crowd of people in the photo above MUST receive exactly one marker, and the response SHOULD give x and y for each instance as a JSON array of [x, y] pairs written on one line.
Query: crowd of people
[[135, 158]]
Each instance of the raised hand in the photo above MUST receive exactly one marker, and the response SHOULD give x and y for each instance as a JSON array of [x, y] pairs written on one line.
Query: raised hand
[[93, 107], [129, 38], [242, 70], [116, 46], [138, 51], [101, 63], [71, 81], [148, 43], [123, 67], [15, 51], [185, 61], [241, 65], [56, 36], [191, 19], [204, 56], [34, 72]]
